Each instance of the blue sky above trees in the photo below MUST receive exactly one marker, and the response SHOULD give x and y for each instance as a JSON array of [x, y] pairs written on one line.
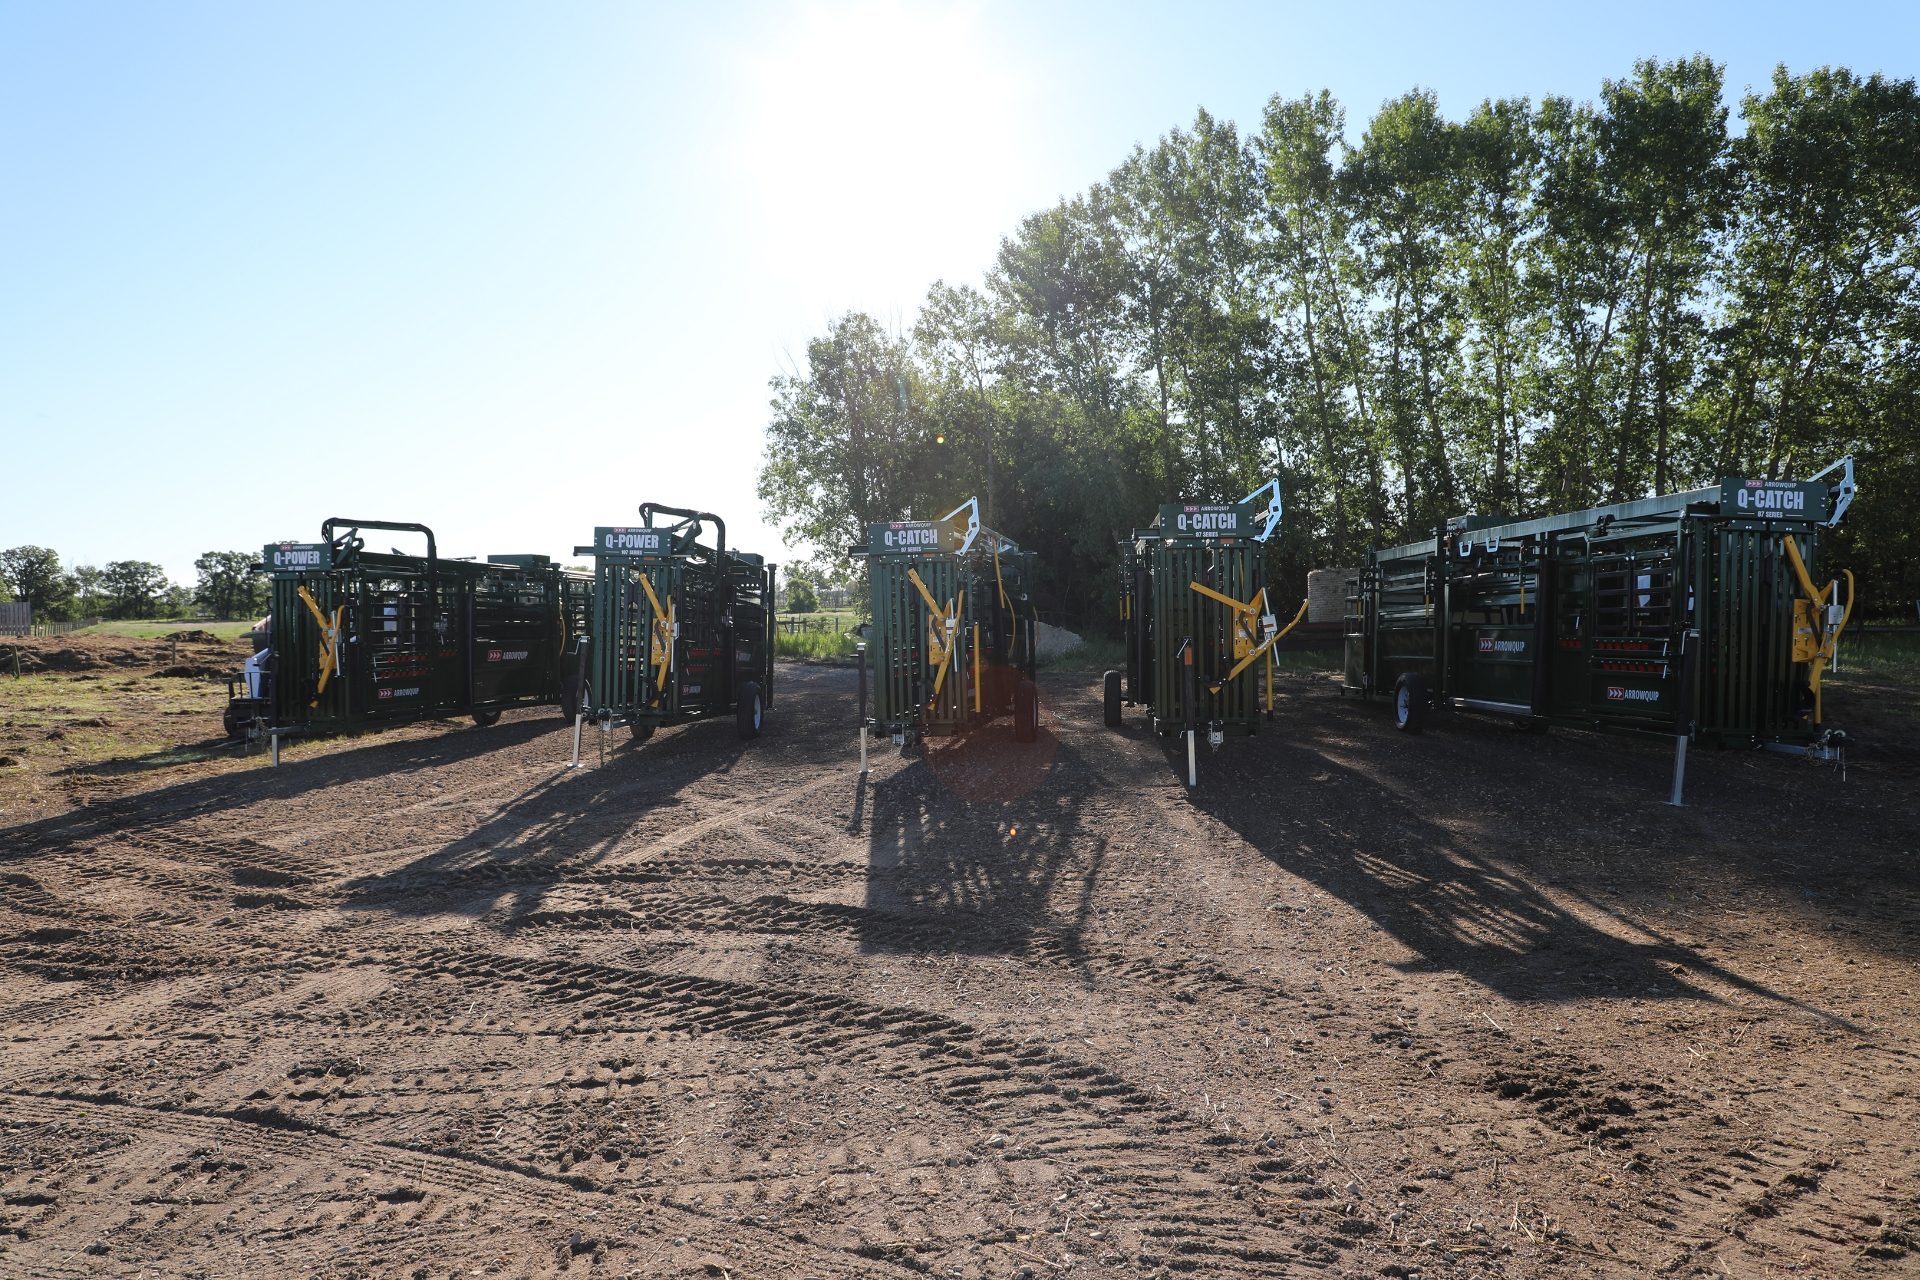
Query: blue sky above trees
[[512, 270]]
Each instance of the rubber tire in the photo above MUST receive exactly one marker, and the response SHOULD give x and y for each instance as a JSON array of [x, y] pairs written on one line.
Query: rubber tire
[[640, 732], [236, 728], [749, 717], [1026, 711], [1411, 702], [486, 719], [569, 705], [1113, 699]]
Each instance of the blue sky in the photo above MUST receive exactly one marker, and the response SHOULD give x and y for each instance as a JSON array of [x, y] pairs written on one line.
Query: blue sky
[[511, 269]]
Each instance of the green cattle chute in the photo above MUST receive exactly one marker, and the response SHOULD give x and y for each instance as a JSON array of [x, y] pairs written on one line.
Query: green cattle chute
[[951, 644], [359, 638], [1693, 614], [682, 630], [1199, 619]]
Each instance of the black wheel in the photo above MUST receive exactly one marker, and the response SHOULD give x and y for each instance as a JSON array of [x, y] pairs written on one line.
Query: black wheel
[[236, 727], [570, 701], [1410, 703], [486, 719], [1113, 699], [747, 713], [1026, 712], [640, 732]]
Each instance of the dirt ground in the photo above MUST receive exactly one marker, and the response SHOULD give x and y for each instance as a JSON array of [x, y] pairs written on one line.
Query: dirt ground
[[1475, 1003]]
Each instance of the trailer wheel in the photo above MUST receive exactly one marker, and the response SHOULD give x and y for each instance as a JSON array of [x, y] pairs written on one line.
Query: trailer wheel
[[236, 727], [1026, 711], [569, 702], [1113, 699], [747, 714], [486, 719], [1410, 702], [640, 732]]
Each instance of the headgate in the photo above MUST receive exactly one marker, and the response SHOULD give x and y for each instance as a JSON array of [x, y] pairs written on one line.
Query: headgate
[[952, 640], [681, 631], [359, 637], [1199, 623], [1693, 614]]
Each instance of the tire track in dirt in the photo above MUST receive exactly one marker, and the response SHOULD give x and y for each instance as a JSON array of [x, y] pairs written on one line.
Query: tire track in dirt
[[901, 931], [258, 1137], [1116, 1135]]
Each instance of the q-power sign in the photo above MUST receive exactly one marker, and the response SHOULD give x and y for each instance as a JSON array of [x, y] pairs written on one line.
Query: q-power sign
[[1204, 520], [1773, 499], [295, 557], [904, 535], [630, 542]]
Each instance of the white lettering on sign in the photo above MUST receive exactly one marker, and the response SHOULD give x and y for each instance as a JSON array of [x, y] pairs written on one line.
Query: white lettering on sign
[[1490, 645], [632, 540], [507, 655], [1770, 501], [300, 558], [912, 537], [401, 693], [1616, 693], [1209, 522]]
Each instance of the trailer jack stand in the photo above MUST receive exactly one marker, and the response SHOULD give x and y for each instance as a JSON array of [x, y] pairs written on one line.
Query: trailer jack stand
[[1679, 772], [863, 751], [579, 720], [1193, 775]]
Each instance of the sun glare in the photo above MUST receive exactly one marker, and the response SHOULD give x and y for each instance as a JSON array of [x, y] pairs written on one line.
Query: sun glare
[[881, 141]]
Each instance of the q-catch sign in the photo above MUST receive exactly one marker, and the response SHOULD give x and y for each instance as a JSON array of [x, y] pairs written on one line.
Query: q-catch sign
[[630, 542], [1204, 520], [904, 535], [1774, 499], [283, 557]]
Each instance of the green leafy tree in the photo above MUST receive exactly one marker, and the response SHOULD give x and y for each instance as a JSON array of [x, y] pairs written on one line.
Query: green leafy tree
[[227, 588], [848, 445], [33, 574], [87, 586], [133, 588], [801, 597]]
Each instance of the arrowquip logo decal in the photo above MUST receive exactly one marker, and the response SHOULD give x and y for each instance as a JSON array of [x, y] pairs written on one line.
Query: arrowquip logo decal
[[507, 655], [1615, 693], [1490, 645]]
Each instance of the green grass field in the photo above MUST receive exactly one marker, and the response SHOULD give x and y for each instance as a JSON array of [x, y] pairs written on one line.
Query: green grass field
[[156, 630], [1868, 657], [817, 646]]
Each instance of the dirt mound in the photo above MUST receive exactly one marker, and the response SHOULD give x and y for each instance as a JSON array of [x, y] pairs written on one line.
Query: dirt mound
[[59, 660], [195, 637]]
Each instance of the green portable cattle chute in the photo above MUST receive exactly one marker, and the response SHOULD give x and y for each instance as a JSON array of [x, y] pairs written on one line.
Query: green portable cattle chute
[[1200, 626], [1693, 614], [682, 631], [952, 640], [358, 637]]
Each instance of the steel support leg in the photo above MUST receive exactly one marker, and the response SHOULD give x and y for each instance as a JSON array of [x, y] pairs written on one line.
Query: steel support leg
[[1679, 772]]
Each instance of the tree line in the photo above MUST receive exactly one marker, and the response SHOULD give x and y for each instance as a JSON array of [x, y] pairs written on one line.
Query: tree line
[[1538, 308], [225, 586]]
